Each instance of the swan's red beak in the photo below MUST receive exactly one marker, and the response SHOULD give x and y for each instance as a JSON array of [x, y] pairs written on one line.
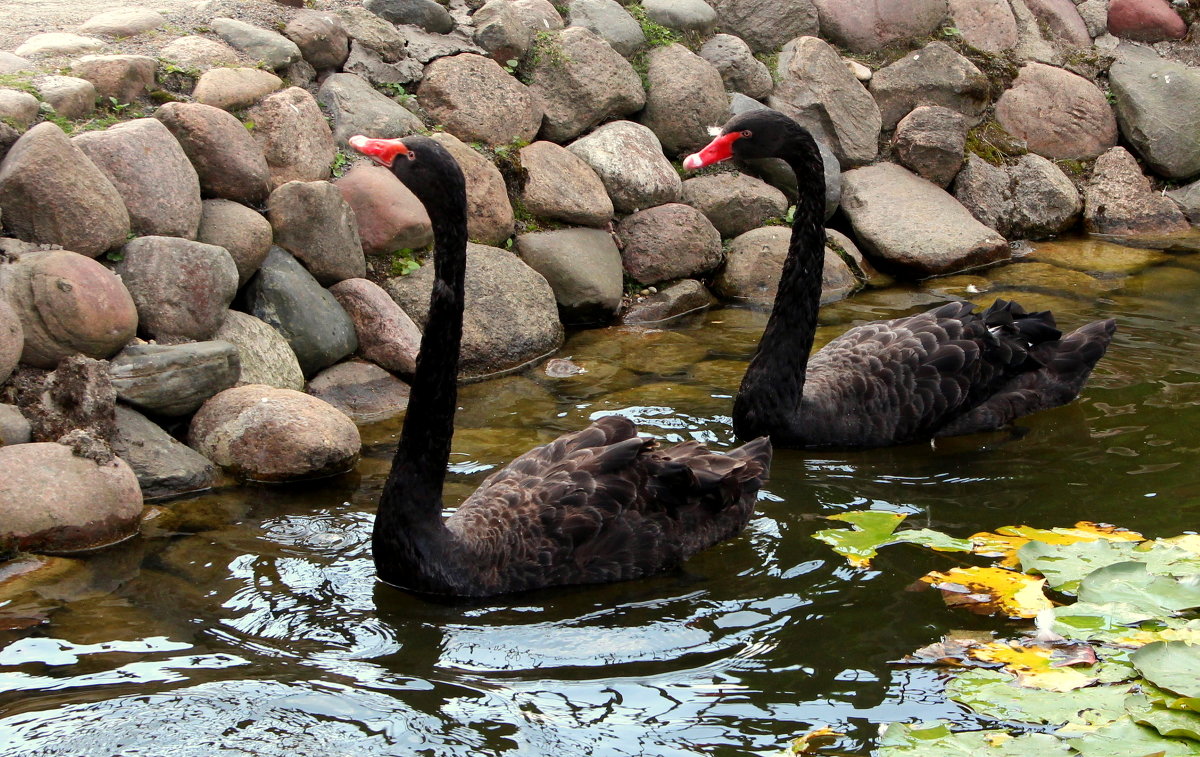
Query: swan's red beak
[[717, 150], [382, 151]]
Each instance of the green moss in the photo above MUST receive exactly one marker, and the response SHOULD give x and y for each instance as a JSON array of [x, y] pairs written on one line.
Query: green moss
[[656, 34], [991, 142], [772, 63], [19, 81]]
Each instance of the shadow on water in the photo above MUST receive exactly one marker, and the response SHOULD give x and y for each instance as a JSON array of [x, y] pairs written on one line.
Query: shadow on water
[[257, 627]]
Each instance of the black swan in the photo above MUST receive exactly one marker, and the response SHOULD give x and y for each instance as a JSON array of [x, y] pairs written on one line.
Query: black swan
[[594, 506], [945, 372]]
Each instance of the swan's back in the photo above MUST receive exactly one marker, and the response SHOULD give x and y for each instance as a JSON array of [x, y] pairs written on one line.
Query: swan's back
[[601, 505], [947, 371]]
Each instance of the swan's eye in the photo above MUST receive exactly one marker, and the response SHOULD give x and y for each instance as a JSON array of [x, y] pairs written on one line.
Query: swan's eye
[[410, 155], [747, 133]]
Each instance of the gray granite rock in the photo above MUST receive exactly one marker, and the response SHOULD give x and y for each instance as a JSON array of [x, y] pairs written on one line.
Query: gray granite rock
[[1155, 103], [317, 226], [933, 75], [1118, 199], [173, 380], [767, 25], [321, 37], [676, 299], [288, 298], [871, 27], [234, 88], [163, 465], [265, 356], [198, 53], [1188, 199], [12, 340], [538, 15], [69, 96], [230, 164], [739, 69], [370, 65], [477, 100], [162, 196], [734, 202], [18, 108], [561, 187], [686, 97], [685, 16], [609, 20], [356, 108], [671, 241], [122, 78], [389, 216], [243, 232], [272, 48], [58, 43], [1059, 114], [629, 160], [489, 215], [423, 13], [386, 335], [755, 262], [123, 22], [373, 32], [182, 288], [1033, 199], [363, 391], [500, 31], [986, 24], [582, 266], [930, 141], [14, 427]]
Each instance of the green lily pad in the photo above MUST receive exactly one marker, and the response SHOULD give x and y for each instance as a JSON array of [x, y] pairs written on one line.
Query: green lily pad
[[1087, 621], [993, 694], [877, 528], [1176, 723], [1133, 583], [1065, 565], [1125, 738], [937, 740], [1169, 700], [1171, 665]]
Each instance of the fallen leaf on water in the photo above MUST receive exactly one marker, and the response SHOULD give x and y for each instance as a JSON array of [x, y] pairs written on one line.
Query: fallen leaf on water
[[1005, 541], [1041, 666], [988, 591], [873, 529], [813, 739]]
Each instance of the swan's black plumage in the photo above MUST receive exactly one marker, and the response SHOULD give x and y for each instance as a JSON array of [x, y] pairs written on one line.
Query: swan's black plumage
[[944, 372], [598, 505]]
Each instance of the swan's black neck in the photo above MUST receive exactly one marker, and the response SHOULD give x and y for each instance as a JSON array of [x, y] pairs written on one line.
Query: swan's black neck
[[409, 534], [769, 398]]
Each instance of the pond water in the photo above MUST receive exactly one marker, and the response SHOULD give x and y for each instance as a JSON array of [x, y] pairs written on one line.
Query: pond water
[[261, 631]]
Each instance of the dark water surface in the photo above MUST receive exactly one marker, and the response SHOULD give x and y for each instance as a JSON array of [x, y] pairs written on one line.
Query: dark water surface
[[265, 633]]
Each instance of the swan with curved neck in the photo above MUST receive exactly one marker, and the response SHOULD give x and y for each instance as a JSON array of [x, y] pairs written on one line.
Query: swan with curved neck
[[944, 372], [594, 506]]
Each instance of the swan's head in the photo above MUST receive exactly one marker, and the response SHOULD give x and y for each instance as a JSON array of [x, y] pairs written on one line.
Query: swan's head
[[755, 134], [421, 164]]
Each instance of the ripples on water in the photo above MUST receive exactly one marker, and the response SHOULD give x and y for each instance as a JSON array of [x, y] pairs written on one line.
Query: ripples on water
[[265, 633]]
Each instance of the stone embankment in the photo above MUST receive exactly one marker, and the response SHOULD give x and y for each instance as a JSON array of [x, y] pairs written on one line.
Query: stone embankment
[[198, 279]]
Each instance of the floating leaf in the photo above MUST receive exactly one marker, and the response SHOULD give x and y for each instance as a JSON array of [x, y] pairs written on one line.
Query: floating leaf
[[1170, 665], [1187, 542], [1134, 584], [953, 649], [1177, 723], [988, 591], [1169, 700], [1005, 542], [1065, 565], [876, 528], [814, 739], [937, 740], [1039, 666], [1125, 738], [1169, 629], [993, 694]]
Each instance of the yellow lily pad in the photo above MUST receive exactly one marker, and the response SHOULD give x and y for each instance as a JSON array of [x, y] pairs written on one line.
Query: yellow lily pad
[[991, 591]]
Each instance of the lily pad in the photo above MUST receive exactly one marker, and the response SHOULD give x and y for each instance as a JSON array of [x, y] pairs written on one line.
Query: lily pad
[[994, 694], [1133, 583], [1171, 665], [1005, 542], [1125, 738], [1176, 723], [937, 740], [1087, 620], [1065, 565], [1040, 666], [877, 528]]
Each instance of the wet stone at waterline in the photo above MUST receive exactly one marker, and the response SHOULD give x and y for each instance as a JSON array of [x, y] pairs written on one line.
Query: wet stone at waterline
[[1044, 277], [1101, 258]]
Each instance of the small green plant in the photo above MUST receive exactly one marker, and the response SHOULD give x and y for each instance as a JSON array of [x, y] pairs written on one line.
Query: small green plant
[[116, 255], [991, 142], [403, 262], [546, 49], [341, 163], [656, 34], [250, 125], [62, 123], [394, 90], [950, 31], [511, 64]]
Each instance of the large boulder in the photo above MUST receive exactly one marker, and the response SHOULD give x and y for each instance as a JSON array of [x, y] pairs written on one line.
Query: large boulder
[[865, 26], [388, 214], [70, 97], [321, 37], [51, 193], [685, 16], [499, 31], [986, 24], [423, 13], [20, 109], [934, 75], [371, 31], [581, 81], [582, 266], [1156, 103], [609, 20], [1145, 20], [1033, 199], [932, 234], [272, 48], [229, 162], [511, 315], [55, 500], [313, 222], [1118, 199], [182, 288], [386, 335], [766, 25], [1062, 22], [164, 466], [123, 78], [363, 391], [370, 65], [739, 69], [676, 299], [817, 89], [244, 233], [477, 100], [123, 22], [561, 187], [294, 136], [356, 108], [755, 262], [671, 241], [266, 434], [265, 356], [175, 379], [538, 15], [57, 43], [1060, 115], [629, 159], [162, 195], [12, 340], [489, 215], [67, 303], [686, 97], [198, 53], [1188, 200], [288, 298], [734, 203]]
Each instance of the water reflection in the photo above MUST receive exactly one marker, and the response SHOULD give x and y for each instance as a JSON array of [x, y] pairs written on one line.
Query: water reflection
[[252, 624]]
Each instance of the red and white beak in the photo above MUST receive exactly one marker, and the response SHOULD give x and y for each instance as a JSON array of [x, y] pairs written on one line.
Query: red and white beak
[[382, 151], [717, 150]]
